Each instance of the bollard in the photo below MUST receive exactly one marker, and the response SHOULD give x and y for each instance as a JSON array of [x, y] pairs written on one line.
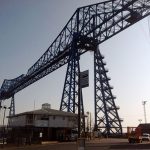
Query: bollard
[[81, 143]]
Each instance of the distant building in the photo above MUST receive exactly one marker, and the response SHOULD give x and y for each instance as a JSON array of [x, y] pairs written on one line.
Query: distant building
[[52, 123]]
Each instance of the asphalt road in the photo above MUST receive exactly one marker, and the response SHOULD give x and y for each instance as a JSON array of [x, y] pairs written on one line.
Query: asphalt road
[[97, 144]]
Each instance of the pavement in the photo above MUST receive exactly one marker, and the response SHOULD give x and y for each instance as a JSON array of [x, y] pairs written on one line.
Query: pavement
[[94, 144]]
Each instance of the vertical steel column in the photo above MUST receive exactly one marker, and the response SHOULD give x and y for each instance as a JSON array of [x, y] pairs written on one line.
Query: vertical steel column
[[68, 96], [82, 114], [81, 117], [72, 94], [106, 113], [69, 101]]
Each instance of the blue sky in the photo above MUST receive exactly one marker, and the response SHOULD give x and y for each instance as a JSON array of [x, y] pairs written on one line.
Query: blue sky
[[27, 28]]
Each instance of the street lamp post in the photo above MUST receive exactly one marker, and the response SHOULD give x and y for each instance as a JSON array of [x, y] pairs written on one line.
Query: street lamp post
[[4, 107], [144, 102], [140, 120], [83, 81], [3, 124], [87, 121]]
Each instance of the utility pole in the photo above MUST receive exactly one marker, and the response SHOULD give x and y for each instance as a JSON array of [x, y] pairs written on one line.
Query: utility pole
[[87, 121], [79, 109], [144, 102]]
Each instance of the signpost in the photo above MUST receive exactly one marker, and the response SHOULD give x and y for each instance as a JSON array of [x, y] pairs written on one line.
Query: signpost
[[83, 82], [84, 79]]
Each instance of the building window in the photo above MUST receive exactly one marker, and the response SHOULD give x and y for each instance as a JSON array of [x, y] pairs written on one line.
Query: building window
[[29, 119], [45, 117]]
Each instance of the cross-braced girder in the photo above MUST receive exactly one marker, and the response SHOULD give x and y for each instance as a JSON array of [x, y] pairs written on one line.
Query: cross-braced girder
[[106, 112], [111, 17]]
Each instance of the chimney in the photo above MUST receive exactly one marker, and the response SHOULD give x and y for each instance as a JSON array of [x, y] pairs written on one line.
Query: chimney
[[46, 106]]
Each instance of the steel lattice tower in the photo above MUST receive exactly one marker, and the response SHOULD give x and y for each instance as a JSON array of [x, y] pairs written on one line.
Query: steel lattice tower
[[87, 28], [106, 114], [70, 96]]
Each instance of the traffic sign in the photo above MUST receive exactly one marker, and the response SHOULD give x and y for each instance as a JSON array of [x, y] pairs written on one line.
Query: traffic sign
[[84, 79]]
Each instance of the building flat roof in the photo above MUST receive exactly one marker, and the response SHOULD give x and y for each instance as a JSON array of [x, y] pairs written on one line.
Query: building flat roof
[[49, 112]]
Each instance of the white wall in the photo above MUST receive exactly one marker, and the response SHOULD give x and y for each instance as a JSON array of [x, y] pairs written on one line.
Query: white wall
[[54, 121], [61, 121], [18, 121]]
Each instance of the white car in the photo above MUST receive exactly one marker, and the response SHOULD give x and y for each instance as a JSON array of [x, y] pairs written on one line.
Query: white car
[[146, 137]]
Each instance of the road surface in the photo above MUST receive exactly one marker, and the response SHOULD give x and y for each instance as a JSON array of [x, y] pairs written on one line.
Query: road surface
[[97, 144]]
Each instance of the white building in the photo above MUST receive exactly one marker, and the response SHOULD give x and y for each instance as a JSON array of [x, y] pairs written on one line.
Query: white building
[[52, 123]]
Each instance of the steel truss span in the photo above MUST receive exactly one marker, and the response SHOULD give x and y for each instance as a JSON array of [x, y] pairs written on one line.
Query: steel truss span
[[88, 27]]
